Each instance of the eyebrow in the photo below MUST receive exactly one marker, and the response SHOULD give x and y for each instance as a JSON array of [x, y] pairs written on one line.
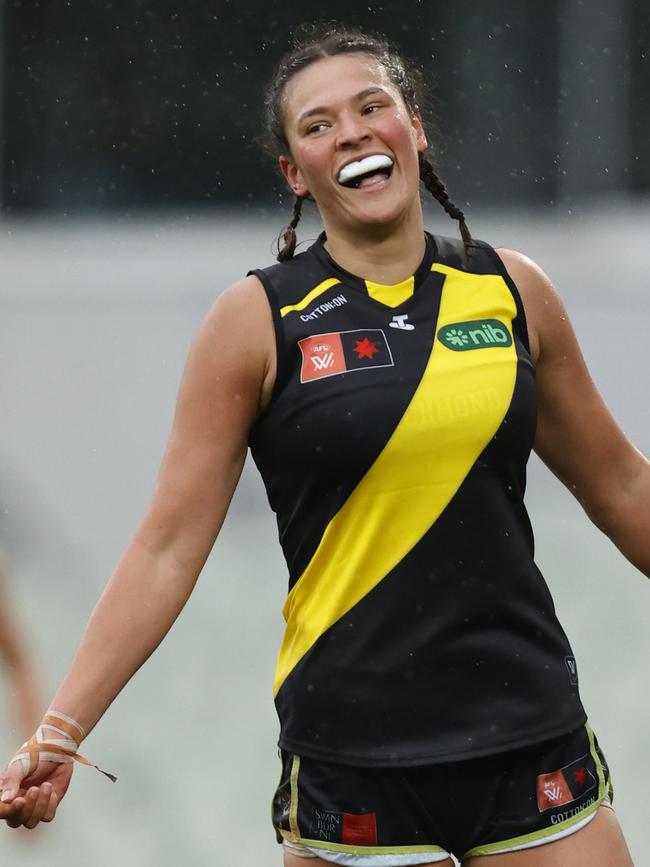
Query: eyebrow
[[321, 109]]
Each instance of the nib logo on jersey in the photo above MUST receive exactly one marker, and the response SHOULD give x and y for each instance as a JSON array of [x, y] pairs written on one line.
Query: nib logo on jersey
[[343, 352], [477, 334], [568, 784]]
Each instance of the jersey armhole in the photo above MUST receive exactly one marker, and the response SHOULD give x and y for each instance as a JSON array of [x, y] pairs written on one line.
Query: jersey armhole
[[510, 283], [280, 343]]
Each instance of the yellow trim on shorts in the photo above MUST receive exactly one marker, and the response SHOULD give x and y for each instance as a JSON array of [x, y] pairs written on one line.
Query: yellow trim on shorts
[[293, 807], [369, 850], [603, 785], [539, 836]]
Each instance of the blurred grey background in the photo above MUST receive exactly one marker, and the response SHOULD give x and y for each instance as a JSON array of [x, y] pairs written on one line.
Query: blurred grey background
[[133, 192]]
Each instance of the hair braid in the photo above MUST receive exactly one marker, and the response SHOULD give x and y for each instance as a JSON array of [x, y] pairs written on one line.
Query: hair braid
[[289, 234], [438, 190]]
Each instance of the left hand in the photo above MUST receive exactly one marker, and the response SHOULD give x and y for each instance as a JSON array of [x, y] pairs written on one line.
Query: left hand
[[37, 797]]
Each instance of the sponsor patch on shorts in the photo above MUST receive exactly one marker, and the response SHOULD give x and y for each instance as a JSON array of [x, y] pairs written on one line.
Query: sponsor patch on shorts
[[566, 785], [349, 829]]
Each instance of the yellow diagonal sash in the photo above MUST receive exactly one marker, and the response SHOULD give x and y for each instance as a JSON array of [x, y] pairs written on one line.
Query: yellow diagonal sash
[[456, 409]]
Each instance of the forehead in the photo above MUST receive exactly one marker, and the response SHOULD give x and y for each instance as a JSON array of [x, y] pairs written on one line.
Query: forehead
[[333, 79]]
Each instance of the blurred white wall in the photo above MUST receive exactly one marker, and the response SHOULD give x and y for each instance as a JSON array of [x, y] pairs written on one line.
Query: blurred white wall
[[96, 322]]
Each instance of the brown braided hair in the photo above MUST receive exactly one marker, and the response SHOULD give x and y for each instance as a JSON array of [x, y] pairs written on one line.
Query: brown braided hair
[[315, 42], [289, 234], [438, 190]]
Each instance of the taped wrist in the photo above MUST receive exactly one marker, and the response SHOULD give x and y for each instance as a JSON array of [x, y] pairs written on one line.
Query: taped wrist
[[56, 739]]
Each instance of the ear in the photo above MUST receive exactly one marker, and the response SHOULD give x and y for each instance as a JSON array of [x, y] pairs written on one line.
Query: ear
[[418, 127], [294, 177]]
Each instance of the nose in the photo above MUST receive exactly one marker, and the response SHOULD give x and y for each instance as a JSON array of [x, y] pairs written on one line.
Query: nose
[[352, 130]]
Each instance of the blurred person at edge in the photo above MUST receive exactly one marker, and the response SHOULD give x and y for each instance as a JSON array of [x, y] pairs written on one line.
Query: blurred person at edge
[[22, 685], [20, 672], [390, 384]]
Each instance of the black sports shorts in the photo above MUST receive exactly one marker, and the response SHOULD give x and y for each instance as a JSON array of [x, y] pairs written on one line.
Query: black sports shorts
[[388, 817]]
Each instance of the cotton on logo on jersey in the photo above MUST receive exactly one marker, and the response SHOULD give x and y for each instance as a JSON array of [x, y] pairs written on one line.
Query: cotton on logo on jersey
[[343, 352], [566, 785], [324, 308]]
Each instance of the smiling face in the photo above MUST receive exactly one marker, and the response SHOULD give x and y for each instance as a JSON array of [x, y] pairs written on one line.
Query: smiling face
[[354, 144]]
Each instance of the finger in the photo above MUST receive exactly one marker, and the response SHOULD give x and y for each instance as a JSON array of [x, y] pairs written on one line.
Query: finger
[[25, 806], [7, 810], [15, 818], [11, 781], [41, 803], [50, 813]]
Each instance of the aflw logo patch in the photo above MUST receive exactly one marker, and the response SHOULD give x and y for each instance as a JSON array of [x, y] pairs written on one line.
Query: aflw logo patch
[[477, 334], [566, 785], [343, 351]]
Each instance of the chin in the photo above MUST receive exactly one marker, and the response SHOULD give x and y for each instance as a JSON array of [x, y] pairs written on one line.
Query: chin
[[387, 217], [385, 208]]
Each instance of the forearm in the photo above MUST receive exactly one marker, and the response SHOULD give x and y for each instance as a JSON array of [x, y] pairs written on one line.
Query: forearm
[[154, 578], [625, 516], [136, 610], [632, 538]]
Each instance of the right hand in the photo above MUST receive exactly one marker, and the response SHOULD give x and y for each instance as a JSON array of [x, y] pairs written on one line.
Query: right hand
[[35, 798]]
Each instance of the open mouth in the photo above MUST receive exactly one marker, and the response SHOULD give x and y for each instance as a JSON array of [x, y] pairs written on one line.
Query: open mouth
[[362, 172]]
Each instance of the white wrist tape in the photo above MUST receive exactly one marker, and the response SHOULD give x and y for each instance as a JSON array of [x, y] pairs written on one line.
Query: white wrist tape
[[56, 739]]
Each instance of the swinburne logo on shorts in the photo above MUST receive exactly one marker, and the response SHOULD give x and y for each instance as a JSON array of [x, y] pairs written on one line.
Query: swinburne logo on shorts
[[477, 334], [566, 785], [347, 828], [343, 351]]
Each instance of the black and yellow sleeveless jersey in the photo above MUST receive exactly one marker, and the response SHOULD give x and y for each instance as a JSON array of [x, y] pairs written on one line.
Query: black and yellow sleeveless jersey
[[393, 450]]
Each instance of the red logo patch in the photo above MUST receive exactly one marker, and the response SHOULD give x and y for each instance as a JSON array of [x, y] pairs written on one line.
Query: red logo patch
[[321, 356], [359, 830], [343, 351], [580, 776], [552, 791], [365, 348]]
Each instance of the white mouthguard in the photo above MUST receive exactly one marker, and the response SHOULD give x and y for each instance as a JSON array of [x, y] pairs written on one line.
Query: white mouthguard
[[362, 167]]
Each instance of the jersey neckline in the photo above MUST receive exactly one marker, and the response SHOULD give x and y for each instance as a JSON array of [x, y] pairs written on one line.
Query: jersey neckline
[[359, 283]]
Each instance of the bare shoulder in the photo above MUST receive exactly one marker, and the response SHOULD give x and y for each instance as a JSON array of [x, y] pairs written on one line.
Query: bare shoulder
[[237, 334], [242, 306], [545, 311]]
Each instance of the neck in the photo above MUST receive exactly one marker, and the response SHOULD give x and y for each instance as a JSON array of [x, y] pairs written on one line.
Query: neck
[[386, 255]]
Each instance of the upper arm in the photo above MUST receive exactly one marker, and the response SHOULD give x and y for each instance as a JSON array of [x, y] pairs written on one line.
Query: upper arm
[[577, 437], [227, 379]]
